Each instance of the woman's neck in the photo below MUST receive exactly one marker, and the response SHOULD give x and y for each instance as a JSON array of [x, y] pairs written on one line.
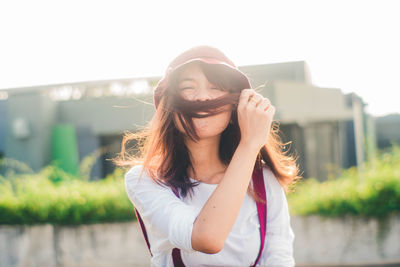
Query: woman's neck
[[205, 160]]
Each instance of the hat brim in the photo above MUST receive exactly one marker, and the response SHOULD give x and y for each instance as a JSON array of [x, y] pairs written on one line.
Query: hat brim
[[245, 83], [241, 78], [213, 61]]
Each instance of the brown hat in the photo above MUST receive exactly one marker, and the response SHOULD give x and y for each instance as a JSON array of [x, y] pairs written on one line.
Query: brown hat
[[206, 54]]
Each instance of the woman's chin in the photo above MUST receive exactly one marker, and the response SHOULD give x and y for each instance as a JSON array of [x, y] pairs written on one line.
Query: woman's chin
[[208, 131]]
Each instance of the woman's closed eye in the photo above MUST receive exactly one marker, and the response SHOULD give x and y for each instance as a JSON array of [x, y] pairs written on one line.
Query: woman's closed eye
[[218, 88], [192, 87], [186, 87], [213, 88]]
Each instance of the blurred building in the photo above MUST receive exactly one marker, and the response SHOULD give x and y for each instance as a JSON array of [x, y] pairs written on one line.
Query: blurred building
[[388, 130], [328, 128]]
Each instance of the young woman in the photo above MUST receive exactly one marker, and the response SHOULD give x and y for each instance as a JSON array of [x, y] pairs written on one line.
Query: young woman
[[208, 158]]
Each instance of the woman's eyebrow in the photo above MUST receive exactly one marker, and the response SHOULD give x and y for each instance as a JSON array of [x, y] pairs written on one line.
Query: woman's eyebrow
[[187, 79]]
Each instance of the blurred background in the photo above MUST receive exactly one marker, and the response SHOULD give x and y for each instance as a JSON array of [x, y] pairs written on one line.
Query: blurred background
[[76, 75]]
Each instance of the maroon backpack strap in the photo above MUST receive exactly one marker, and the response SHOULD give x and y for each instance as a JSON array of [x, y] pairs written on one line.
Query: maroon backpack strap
[[143, 228], [176, 253], [259, 187], [176, 258]]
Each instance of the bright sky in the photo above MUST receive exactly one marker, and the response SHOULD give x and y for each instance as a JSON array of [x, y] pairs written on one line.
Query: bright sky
[[351, 45]]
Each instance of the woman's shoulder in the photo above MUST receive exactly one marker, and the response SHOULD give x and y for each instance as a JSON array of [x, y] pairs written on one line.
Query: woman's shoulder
[[137, 173], [139, 177], [271, 181], [133, 173]]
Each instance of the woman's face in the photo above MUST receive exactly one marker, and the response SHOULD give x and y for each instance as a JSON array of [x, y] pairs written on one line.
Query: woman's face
[[194, 86]]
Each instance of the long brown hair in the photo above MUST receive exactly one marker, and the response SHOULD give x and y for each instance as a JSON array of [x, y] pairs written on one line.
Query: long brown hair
[[161, 150]]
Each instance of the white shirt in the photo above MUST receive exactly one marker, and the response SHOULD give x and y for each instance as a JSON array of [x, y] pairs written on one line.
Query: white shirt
[[169, 224]]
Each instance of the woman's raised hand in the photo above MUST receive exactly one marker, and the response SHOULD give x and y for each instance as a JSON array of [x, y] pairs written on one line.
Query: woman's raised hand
[[255, 115]]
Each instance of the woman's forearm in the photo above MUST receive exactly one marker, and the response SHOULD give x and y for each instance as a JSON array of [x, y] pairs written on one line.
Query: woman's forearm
[[219, 213]]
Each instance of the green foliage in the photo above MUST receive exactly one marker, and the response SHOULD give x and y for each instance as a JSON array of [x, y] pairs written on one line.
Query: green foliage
[[11, 166], [88, 162], [54, 196], [373, 193]]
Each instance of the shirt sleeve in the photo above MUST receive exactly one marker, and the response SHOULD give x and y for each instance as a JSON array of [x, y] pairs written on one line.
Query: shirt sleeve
[[278, 248], [160, 209]]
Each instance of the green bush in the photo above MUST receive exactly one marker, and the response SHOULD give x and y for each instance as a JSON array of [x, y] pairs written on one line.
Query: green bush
[[373, 193], [53, 196]]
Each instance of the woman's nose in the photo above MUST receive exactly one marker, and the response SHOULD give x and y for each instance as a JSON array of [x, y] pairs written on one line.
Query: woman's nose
[[202, 94]]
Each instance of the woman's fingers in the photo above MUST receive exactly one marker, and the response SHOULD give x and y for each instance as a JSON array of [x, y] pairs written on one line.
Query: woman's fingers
[[244, 97], [264, 104], [255, 115], [255, 99], [249, 97], [252, 99]]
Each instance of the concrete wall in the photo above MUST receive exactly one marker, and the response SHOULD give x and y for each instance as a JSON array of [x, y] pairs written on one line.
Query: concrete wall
[[100, 123], [107, 115], [32, 111], [324, 148], [346, 240], [289, 71], [99, 245], [302, 103], [318, 241]]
